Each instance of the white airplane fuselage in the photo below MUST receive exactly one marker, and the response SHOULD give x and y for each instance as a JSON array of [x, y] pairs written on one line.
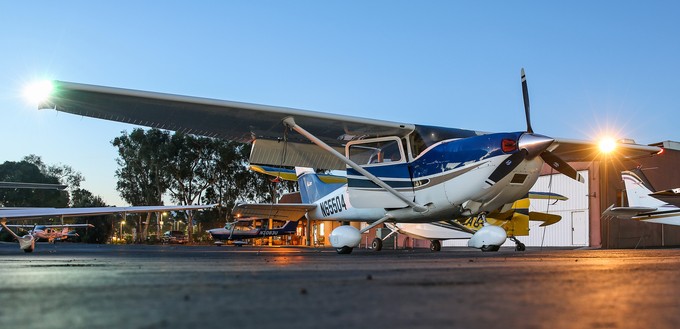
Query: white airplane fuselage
[[464, 195]]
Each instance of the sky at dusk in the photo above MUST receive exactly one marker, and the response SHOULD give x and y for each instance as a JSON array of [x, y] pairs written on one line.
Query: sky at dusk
[[593, 67]]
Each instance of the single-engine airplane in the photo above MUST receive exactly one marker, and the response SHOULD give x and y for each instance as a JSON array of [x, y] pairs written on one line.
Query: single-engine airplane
[[514, 221], [27, 242], [397, 172], [51, 233], [243, 229], [645, 203]]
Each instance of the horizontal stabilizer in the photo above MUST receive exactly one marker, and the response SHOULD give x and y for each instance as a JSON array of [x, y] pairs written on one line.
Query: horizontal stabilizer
[[626, 212], [671, 192], [547, 219]]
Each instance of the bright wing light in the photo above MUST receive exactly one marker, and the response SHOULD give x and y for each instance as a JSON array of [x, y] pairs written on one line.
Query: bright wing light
[[607, 145], [38, 92]]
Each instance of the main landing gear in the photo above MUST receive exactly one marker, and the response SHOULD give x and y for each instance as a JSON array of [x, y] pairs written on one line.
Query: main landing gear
[[377, 244], [519, 246]]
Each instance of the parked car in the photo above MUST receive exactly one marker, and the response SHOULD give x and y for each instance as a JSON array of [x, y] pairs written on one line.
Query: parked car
[[174, 237]]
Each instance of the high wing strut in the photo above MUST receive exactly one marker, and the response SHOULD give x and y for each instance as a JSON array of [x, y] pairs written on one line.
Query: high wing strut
[[290, 122], [376, 223]]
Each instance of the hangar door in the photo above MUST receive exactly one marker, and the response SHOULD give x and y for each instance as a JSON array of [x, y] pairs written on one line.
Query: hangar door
[[572, 230]]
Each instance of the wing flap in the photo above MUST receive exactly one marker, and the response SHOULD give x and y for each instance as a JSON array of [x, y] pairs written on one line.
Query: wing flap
[[275, 211]]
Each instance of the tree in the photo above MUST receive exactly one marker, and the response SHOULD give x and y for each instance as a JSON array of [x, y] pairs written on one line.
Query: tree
[[102, 230], [193, 168], [27, 172], [64, 173], [143, 176]]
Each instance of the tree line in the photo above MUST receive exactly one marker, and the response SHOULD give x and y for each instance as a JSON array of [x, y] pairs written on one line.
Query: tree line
[[153, 165]]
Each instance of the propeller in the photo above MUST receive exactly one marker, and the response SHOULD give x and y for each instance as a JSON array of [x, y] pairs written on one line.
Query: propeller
[[530, 146], [525, 95]]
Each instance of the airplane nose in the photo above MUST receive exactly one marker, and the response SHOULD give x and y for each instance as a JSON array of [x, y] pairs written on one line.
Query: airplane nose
[[534, 144]]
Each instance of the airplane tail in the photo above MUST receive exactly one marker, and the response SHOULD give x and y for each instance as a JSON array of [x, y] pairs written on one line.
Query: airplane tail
[[638, 190], [312, 186], [290, 226]]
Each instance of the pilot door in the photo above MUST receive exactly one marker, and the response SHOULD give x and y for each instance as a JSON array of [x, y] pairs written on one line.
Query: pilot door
[[385, 158]]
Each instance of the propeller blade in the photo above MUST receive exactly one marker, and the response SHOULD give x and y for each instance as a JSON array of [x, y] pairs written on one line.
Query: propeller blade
[[560, 165], [525, 94], [506, 167]]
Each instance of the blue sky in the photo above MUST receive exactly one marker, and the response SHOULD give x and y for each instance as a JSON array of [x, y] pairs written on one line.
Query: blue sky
[[593, 66]]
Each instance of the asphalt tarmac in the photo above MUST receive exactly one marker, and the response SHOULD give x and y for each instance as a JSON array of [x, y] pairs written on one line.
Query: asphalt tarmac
[[105, 286]]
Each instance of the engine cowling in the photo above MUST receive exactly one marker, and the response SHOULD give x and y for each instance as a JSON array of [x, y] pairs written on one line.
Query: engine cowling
[[489, 235], [345, 236]]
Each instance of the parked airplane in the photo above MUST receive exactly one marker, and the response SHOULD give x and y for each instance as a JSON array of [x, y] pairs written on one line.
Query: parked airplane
[[515, 221], [50, 233], [27, 242], [244, 229], [644, 203], [397, 172]]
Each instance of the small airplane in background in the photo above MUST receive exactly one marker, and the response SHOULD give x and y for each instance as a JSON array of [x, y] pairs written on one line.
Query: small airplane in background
[[245, 229], [27, 242], [645, 203], [396, 172], [51, 233]]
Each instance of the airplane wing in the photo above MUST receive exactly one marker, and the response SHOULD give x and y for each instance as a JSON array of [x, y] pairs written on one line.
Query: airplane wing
[[276, 211], [50, 226], [626, 212], [247, 122], [210, 117], [15, 214], [575, 150], [35, 186]]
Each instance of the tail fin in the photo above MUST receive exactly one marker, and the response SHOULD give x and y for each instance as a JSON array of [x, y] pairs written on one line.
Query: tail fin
[[311, 187], [638, 190], [290, 226]]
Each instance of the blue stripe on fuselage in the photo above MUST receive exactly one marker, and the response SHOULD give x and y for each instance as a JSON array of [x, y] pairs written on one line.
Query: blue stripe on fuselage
[[453, 154]]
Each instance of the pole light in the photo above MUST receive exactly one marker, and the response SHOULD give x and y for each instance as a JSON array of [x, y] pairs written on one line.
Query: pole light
[[120, 231]]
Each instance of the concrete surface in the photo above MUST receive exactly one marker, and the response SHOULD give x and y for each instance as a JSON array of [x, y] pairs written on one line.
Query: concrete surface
[[104, 286]]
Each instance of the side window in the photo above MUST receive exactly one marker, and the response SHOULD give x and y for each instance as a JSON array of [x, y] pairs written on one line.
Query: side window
[[384, 151]]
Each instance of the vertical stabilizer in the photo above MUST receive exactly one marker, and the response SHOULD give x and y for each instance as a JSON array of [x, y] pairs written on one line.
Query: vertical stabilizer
[[638, 190], [311, 187], [290, 226]]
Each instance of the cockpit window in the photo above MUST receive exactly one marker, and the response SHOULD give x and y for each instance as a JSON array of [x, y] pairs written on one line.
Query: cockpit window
[[425, 136], [383, 151]]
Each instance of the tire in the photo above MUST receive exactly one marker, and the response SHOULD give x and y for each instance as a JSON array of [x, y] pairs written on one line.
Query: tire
[[490, 248], [377, 244], [520, 247], [344, 250], [435, 245]]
